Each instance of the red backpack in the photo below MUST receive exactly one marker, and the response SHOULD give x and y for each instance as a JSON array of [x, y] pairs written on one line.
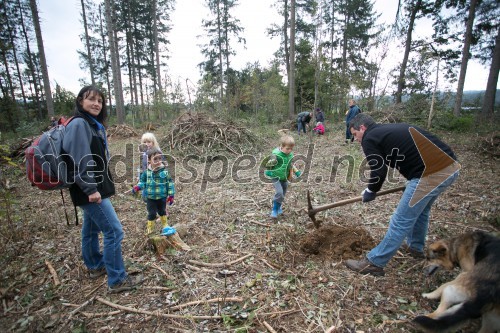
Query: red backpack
[[45, 165]]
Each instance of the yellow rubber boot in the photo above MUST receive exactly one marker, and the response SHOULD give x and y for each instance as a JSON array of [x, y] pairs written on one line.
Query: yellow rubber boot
[[150, 226], [164, 222]]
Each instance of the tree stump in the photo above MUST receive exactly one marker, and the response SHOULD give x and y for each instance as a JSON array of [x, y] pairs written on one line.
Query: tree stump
[[161, 243]]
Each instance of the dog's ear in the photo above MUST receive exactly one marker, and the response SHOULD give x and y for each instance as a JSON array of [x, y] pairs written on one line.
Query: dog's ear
[[437, 250]]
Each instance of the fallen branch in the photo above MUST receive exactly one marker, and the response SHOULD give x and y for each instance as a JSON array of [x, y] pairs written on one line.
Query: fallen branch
[[53, 273], [100, 314], [157, 313], [163, 271], [213, 300], [84, 304], [199, 263], [269, 328]]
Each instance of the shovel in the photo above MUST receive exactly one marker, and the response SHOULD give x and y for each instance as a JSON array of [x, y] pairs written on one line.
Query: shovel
[[311, 211]]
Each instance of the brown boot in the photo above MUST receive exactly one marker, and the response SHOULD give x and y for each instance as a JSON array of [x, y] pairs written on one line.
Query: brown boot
[[364, 267]]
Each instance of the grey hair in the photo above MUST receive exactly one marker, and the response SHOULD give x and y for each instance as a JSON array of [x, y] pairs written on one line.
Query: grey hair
[[361, 119]]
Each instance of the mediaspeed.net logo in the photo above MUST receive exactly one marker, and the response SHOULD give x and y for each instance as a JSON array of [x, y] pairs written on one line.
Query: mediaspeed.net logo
[[439, 166]]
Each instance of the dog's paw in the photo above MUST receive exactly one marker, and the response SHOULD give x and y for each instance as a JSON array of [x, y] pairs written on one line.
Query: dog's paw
[[430, 296]]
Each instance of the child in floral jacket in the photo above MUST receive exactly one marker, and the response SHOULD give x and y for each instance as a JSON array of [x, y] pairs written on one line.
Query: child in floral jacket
[[159, 188]]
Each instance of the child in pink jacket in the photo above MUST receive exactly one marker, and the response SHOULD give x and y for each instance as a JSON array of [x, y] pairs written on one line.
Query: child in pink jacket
[[319, 129]]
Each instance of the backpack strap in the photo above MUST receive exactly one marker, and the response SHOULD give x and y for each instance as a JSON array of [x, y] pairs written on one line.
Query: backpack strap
[[66, 213]]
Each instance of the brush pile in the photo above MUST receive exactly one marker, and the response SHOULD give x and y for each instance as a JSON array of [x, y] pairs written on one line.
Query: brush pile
[[121, 131], [198, 133], [490, 145]]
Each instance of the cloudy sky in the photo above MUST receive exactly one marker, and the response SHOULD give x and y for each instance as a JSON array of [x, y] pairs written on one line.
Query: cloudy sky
[[61, 27]]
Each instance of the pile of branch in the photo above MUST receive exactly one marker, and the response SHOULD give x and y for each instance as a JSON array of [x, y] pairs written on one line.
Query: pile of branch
[[491, 144], [199, 133], [121, 131], [19, 148]]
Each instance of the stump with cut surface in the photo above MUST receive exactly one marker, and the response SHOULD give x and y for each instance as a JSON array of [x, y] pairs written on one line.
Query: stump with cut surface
[[161, 243]]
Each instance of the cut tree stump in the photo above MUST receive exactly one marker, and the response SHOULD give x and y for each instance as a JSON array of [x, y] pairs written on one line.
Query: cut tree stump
[[162, 243]]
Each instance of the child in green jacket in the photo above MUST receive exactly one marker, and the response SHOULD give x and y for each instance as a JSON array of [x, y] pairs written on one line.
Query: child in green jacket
[[280, 170], [159, 188]]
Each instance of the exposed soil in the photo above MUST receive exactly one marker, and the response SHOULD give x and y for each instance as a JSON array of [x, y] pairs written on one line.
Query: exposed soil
[[336, 242], [245, 272]]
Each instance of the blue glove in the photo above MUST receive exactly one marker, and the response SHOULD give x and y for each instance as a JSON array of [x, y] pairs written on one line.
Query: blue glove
[[368, 195]]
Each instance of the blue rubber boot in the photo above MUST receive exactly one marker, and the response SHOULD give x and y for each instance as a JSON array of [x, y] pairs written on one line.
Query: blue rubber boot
[[280, 210], [274, 212]]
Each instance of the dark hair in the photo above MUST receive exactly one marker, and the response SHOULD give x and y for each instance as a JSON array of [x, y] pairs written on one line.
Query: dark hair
[[86, 92], [361, 119], [153, 151]]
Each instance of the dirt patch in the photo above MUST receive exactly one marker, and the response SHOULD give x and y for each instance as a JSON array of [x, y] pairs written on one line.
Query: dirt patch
[[337, 242]]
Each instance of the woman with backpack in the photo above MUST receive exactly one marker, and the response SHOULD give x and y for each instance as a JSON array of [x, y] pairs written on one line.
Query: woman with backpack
[[86, 147]]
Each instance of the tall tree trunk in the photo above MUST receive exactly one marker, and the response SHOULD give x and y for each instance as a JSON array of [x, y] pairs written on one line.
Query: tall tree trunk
[[87, 41], [285, 39], [43, 62], [404, 64], [115, 62], [12, 40], [30, 64], [157, 51], [291, 75], [221, 71], [491, 86], [104, 54], [465, 58], [431, 111]]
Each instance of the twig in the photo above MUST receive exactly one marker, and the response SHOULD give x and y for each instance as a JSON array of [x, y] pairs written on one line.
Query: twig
[[259, 223], [95, 289], [213, 300], [53, 273], [194, 268], [84, 304], [100, 314], [269, 328], [280, 313], [199, 263], [161, 270], [157, 313]]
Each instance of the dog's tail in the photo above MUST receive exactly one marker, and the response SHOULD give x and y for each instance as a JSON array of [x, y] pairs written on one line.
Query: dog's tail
[[452, 317]]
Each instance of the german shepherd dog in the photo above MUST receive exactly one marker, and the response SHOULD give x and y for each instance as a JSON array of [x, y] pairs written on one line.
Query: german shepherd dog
[[476, 290]]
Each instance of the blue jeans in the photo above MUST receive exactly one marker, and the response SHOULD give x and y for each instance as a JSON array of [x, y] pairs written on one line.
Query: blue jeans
[[409, 221], [280, 188], [99, 218], [301, 126]]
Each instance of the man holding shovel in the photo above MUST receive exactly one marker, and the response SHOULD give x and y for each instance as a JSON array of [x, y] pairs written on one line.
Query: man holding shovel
[[426, 162]]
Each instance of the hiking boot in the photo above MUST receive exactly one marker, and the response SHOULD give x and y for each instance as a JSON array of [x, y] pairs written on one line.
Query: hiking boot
[[129, 283], [415, 254], [96, 273], [364, 267]]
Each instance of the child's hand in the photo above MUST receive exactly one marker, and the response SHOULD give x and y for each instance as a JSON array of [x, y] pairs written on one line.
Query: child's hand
[[298, 173], [135, 189], [170, 200]]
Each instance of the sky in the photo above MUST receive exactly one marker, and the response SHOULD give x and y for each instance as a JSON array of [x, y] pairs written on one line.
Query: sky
[[61, 28]]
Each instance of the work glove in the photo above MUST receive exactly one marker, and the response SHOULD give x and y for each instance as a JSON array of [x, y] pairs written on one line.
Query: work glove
[[297, 172], [368, 195], [170, 200], [271, 162], [135, 189]]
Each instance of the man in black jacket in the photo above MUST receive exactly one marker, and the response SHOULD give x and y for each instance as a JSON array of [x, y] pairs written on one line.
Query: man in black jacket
[[426, 162]]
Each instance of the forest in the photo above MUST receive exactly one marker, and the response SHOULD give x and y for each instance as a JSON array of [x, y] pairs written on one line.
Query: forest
[[239, 270], [125, 48]]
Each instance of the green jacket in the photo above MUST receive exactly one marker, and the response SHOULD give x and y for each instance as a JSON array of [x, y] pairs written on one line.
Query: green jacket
[[278, 165]]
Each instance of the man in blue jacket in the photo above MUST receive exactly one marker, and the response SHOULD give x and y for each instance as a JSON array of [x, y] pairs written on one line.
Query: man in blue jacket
[[351, 113]]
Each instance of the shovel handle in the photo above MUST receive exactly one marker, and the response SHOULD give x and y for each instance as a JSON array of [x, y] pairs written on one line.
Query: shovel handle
[[352, 200]]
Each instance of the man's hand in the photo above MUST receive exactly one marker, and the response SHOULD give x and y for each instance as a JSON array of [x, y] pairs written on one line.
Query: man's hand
[[368, 195], [95, 197]]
